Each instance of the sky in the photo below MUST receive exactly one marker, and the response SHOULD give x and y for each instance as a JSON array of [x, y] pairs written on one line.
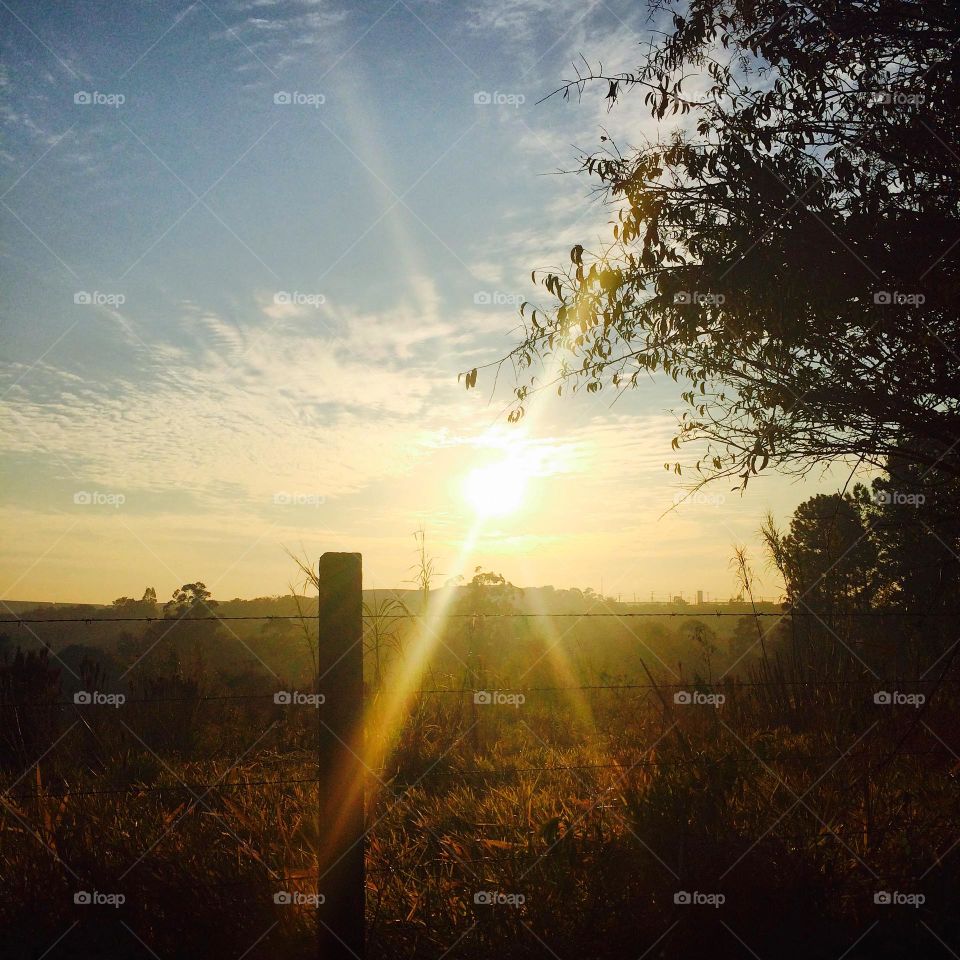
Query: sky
[[246, 246]]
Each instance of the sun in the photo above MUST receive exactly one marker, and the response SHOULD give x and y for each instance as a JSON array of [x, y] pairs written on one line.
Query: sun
[[496, 490]]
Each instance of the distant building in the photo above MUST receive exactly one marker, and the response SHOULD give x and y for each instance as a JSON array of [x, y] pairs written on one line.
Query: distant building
[[699, 598]]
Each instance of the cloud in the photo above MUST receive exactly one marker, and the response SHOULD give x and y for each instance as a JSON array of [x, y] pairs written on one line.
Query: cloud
[[280, 33], [521, 20], [245, 408]]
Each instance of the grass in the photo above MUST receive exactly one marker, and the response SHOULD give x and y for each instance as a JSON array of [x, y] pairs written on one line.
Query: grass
[[797, 800]]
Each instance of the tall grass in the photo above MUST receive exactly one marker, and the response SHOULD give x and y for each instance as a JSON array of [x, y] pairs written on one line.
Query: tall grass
[[798, 799]]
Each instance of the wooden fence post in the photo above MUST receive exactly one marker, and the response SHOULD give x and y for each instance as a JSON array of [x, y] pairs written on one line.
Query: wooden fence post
[[341, 925]]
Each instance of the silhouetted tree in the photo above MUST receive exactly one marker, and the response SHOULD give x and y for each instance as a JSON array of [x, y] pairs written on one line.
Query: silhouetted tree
[[146, 606], [790, 250], [877, 565], [829, 559], [191, 600]]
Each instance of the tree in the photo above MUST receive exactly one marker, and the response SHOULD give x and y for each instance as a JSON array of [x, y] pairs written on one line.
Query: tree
[[878, 568], [701, 638], [828, 560], [915, 527], [129, 607], [189, 639], [790, 252], [487, 601], [743, 639], [191, 600]]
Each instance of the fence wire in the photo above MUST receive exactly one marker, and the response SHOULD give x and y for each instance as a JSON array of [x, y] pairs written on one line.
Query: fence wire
[[521, 853]]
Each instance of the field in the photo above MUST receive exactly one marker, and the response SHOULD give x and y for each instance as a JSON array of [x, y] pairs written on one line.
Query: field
[[717, 781]]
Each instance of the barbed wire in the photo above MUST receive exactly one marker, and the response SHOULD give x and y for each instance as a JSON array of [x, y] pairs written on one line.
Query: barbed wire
[[131, 701], [500, 615], [201, 790], [212, 618]]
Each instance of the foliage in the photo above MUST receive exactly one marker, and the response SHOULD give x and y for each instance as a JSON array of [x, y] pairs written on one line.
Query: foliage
[[190, 600], [790, 250], [382, 633]]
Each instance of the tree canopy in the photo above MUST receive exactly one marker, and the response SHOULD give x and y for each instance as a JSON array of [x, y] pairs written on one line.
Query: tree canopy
[[786, 247]]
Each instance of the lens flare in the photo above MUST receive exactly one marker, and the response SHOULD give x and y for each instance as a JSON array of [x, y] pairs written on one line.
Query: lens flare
[[497, 490]]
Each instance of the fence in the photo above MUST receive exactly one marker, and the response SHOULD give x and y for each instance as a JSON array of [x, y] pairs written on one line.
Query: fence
[[342, 773]]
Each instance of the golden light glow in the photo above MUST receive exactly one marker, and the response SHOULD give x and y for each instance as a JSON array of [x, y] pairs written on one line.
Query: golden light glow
[[497, 489]]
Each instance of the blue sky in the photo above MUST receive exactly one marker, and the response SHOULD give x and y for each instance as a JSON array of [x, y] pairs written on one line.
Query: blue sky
[[246, 248]]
